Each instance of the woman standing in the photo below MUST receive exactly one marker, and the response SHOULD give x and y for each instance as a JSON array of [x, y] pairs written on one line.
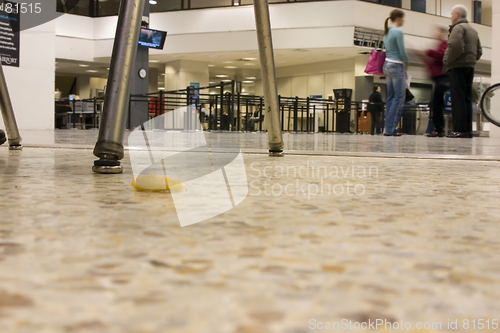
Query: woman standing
[[395, 71]]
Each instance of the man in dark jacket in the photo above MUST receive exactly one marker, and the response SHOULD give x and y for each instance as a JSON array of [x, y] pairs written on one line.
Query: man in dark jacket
[[434, 60], [464, 50], [376, 109]]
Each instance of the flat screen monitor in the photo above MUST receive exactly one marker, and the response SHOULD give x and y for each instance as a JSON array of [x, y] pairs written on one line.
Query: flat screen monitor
[[153, 39]]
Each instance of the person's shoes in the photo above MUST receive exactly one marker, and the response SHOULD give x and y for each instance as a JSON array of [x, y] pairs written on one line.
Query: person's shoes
[[460, 135], [3, 138], [397, 134], [435, 134]]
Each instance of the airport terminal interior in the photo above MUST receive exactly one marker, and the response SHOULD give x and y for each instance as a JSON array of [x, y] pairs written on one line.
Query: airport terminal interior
[[163, 173]]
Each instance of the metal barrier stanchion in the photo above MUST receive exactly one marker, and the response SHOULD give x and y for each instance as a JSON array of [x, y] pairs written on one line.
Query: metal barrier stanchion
[[308, 105], [282, 110], [94, 122], [295, 114], [73, 118], [109, 147], [222, 121], [327, 117], [238, 110], [269, 83], [8, 115], [261, 106]]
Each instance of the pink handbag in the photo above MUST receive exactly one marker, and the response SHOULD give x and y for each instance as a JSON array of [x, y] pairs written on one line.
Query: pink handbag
[[375, 64]]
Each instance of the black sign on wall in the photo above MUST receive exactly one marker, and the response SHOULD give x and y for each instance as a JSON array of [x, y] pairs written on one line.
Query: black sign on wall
[[9, 33]]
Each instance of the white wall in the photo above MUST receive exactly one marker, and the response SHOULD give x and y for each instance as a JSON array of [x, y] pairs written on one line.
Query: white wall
[[32, 85], [314, 79], [75, 37], [447, 5]]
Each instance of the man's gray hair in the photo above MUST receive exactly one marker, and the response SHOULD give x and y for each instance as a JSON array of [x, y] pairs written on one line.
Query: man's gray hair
[[460, 10]]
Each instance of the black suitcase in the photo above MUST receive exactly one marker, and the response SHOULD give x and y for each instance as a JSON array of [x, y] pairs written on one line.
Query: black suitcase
[[410, 121]]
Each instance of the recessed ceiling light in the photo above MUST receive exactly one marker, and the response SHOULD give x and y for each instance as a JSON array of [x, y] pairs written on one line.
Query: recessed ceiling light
[[249, 64], [211, 65], [92, 71], [227, 62], [221, 75], [161, 88], [226, 80], [83, 65], [249, 59], [247, 81], [154, 60], [250, 78], [153, 2], [230, 67], [212, 82]]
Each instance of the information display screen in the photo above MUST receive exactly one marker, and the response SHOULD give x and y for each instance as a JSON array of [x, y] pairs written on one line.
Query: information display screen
[[153, 39], [9, 33]]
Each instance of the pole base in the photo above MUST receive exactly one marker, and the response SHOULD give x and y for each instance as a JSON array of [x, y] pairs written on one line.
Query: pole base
[[104, 166], [108, 170], [15, 147], [276, 153]]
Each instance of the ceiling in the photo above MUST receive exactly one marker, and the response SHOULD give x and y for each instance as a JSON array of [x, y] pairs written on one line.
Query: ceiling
[[220, 63]]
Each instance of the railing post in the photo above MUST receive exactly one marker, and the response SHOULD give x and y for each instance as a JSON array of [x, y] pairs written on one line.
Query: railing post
[[9, 118], [308, 101], [246, 115], [238, 101], [269, 82], [95, 112], [302, 118], [262, 104], [74, 113], [282, 111], [109, 147], [326, 117], [161, 103], [231, 108], [189, 107], [215, 121], [295, 114], [221, 105], [314, 119]]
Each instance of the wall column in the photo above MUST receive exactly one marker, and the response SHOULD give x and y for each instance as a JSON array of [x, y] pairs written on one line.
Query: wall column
[[181, 73]]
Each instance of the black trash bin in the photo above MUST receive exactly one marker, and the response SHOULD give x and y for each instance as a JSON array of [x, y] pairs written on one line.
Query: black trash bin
[[343, 116]]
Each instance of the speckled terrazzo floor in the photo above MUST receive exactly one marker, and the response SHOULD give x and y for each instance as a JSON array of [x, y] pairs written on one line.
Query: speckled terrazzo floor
[[417, 242], [309, 144]]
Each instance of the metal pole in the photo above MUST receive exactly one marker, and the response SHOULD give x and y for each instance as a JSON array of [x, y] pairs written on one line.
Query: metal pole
[[109, 146], [9, 118], [268, 70]]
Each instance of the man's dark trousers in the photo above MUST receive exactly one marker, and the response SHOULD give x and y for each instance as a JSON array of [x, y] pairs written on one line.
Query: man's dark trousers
[[461, 80], [441, 86]]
